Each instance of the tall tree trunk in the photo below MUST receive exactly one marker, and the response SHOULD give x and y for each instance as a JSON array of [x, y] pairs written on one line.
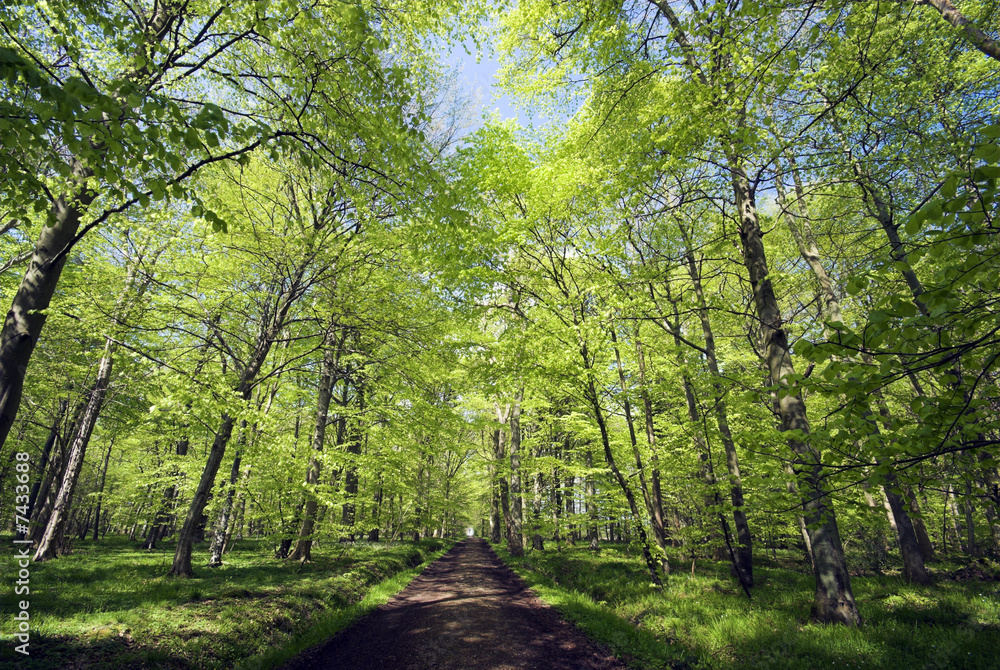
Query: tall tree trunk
[[609, 458], [909, 547], [744, 548], [572, 532], [303, 544], [500, 454], [798, 224], [537, 543], [267, 333], [185, 539], [47, 494], [164, 517], [659, 527], [590, 495], [970, 526], [222, 524], [84, 526], [351, 469], [555, 497], [515, 543], [376, 516], [655, 516], [234, 530], [43, 461], [100, 488], [834, 600], [495, 520], [51, 542], [919, 527]]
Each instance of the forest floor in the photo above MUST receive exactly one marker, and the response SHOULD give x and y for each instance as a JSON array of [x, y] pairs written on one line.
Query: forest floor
[[110, 606], [702, 619], [466, 611]]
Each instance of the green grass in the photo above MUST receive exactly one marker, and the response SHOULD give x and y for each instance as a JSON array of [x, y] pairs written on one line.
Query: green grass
[[110, 605], [705, 621]]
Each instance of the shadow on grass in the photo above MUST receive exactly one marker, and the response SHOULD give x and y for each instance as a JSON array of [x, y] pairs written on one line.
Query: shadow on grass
[[111, 604]]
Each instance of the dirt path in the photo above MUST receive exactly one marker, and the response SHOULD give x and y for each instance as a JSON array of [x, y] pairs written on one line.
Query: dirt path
[[466, 611]]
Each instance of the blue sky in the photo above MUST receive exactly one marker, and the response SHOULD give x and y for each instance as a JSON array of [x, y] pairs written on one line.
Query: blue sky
[[481, 76]]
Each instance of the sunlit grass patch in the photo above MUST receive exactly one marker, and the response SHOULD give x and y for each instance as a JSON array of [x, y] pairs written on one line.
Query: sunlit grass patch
[[705, 621]]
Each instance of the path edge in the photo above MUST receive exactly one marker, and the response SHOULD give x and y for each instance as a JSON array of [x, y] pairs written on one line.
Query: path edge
[[339, 620]]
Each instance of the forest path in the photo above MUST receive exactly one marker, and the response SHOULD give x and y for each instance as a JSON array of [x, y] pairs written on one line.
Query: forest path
[[466, 611]]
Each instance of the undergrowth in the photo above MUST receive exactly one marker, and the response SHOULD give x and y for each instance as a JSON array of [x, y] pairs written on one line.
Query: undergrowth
[[110, 605], [705, 621]]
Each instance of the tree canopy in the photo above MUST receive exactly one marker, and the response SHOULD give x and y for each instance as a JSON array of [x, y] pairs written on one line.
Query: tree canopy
[[264, 279]]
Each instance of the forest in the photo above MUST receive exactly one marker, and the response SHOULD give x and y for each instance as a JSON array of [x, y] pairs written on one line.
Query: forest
[[723, 323]]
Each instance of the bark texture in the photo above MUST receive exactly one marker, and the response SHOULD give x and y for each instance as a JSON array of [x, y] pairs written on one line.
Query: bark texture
[[50, 545], [834, 600]]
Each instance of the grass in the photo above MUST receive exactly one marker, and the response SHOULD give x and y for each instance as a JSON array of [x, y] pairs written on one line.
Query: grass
[[705, 621], [109, 605]]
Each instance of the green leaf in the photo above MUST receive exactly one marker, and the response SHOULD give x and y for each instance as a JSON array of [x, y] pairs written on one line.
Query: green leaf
[[988, 152], [991, 131]]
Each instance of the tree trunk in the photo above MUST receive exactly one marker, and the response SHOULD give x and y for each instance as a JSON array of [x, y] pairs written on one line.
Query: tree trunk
[[537, 543], [51, 542], [234, 530], [222, 524], [834, 600], [185, 539], [970, 525], [655, 516], [572, 531], [515, 544], [164, 517], [913, 560], [303, 544], [495, 522], [556, 505], [267, 333], [376, 516], [500, 454], [351, 469], [659, 527], [919, 527], [744, 549], [956, 529], [609, 458], [799, 226], [43, 462], [590, 493], [47, 494], [100, 488]]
